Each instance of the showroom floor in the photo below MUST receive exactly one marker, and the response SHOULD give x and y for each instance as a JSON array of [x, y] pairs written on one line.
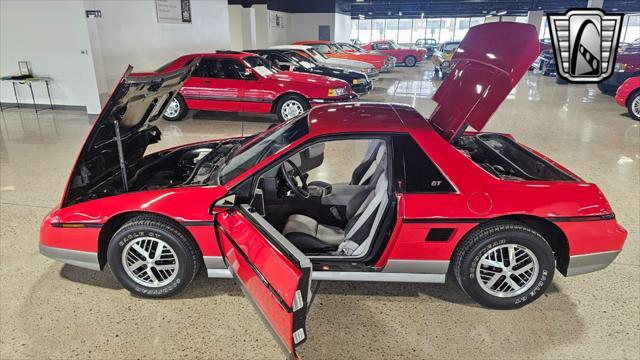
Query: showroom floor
[[56, 311]]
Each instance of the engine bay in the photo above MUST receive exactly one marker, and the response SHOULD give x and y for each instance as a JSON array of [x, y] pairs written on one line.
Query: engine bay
[[506, 159]]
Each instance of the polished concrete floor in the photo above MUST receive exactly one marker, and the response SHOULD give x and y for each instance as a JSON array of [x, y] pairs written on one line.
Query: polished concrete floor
[[50, 310]]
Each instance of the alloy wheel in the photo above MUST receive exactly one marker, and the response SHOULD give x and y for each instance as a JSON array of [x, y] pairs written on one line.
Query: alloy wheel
[[291, 109], [507, 270], [635, 106], [150, 262], [173, 109], [411, 61]]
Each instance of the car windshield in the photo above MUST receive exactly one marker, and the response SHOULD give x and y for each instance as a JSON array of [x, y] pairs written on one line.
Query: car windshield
[[323, 48], [316, 55], [393, 44], [336, 48], [266, 143], [449, 47], [300, 59], [260, 65]]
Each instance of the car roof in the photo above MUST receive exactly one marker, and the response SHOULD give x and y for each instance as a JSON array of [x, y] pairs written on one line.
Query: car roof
[[291, 47], [365, 117], [326, 42]]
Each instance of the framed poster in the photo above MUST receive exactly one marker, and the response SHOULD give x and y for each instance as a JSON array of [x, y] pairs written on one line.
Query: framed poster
[[276, 19], [173, 11]]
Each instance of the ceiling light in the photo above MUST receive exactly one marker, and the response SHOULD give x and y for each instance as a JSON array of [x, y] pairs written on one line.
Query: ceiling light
[[359, 0], [422, 16], [400, 13], [502, 12], [484, 11]]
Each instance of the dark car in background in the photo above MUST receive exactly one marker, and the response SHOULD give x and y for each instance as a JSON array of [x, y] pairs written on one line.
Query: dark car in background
[[545, 63], [290, 60], [627, 66], [431, 45]]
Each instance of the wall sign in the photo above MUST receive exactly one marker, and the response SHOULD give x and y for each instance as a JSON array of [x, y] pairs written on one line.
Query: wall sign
[[276, 20], [173, 11]]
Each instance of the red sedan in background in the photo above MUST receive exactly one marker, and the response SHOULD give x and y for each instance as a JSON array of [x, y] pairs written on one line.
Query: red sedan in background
[[244, 82], [424, 197], [407, 56], [628, 95]]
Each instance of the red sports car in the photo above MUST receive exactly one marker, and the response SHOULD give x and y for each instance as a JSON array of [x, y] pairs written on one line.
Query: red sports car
[[407, 56], [244, 82], [628, 95], [416, 197]]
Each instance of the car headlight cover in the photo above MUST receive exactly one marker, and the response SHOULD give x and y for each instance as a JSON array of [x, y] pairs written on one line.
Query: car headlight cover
[[337, 91]]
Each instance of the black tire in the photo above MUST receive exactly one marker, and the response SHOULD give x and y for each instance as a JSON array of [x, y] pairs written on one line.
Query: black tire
[[189, 258], [410, 61], [490, 237], [634, 96], [304, 104], [182, 110]]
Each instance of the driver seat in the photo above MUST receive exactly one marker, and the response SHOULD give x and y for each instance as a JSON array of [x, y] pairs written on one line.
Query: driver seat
[[312, 237]]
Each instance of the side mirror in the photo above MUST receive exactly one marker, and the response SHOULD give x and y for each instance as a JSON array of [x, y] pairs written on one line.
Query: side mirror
[[223, 204]]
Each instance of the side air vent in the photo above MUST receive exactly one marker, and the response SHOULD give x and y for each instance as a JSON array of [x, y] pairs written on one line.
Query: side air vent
[[439, 234]]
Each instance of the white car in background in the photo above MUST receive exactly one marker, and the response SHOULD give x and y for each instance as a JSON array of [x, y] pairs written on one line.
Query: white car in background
[[346, 64]]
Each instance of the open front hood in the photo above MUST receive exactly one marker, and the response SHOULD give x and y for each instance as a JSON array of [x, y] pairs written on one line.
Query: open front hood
[[124, 129], [487, 65]]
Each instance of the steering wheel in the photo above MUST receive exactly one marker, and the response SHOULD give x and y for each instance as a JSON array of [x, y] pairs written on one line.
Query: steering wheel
[[301, 191]]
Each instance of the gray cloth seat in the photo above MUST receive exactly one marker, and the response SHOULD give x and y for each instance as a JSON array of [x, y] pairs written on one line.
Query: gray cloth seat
[[354, 240]]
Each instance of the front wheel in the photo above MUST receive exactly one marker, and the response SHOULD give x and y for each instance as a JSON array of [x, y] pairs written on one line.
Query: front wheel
[[504, 265], [176, 110], [291, 106], [152, 257], [410, 61], [633, 105]]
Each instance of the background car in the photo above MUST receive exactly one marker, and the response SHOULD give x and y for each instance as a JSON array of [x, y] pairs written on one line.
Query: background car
[[407, 56], [347, 64], [545, 63], [383, 63], [628, 95], [546, 44], [290, 60], [431, 45], [441, 57], [627, 65], [244, 82]]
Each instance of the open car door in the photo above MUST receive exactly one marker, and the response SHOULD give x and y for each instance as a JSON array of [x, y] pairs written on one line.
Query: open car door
[[272, 272]]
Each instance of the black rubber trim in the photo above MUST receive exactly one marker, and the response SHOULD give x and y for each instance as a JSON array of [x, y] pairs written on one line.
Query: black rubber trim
[[444, 221], [197, 223], [582, 218], [76, 225], [228, 98]]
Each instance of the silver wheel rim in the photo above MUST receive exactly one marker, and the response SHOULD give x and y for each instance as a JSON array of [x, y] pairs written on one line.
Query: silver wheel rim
[[507, 270], [291, 109], [150, 262], [410, 61], [173, 109], [635, 106]]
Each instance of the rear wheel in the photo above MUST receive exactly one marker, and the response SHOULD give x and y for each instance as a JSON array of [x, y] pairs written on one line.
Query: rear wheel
[[633, 105], [152, 257], [410, 61], [504, 265], [176, 110], [291, 106]]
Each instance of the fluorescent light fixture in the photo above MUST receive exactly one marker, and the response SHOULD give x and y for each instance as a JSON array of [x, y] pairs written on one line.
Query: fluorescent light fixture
[[502, 12], [359, 0], [361, 16], [400, 13], [370, 13], [421, 15]]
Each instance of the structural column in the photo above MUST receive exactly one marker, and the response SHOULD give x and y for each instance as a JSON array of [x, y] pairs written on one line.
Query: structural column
[[535, 19]]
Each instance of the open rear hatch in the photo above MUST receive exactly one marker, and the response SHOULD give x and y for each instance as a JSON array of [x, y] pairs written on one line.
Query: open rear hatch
[[124, 128], [487, 65]]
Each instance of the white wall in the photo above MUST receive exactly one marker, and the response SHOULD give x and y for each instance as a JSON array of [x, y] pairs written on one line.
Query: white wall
[[305, 26], [343, 28], [51, 35], [262, 26], [129, 33]]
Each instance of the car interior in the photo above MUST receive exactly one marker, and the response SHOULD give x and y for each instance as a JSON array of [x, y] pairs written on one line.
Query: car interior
[[329, 198]]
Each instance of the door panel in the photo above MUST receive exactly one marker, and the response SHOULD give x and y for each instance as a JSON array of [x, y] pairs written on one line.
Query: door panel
[[274, 274]]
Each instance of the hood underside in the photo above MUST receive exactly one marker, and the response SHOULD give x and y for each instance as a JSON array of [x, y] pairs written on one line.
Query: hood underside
[[124, 128], [487, 65]]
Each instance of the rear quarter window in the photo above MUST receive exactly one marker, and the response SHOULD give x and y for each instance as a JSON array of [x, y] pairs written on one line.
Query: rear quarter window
[[416, 173]]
